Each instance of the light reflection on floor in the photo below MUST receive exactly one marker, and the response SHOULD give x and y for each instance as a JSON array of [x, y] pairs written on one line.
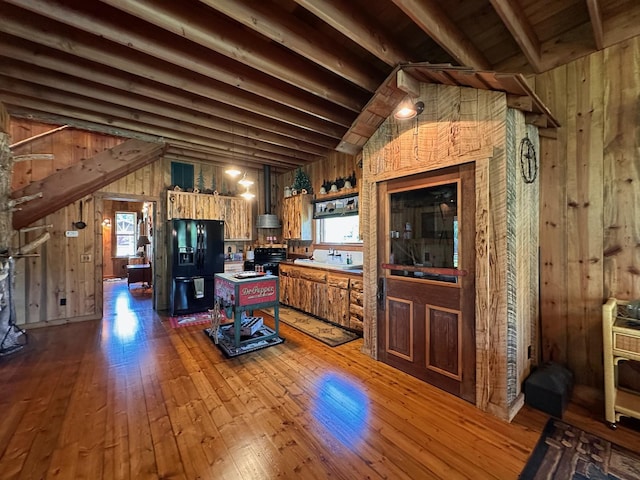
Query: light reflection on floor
[[125, 323], [342, 408]]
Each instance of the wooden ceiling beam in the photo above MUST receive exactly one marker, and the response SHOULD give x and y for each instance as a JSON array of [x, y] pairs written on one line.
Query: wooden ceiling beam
[[407, 83], [287, 30], [237, 155], [246, 109], [218, 34], [596, 22], [138, 120], [429, 16], [353, 22], [224, 160], [65, 111], [184, 147], [131, 49], [515, 20], [238, 132], [20, 111], [82, 178]]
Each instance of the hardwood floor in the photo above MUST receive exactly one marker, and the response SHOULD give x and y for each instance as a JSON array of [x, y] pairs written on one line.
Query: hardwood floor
[[131, 398]]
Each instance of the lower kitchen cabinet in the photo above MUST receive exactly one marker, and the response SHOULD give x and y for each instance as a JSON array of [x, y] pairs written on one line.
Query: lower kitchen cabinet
[[332, 296], [338, 299], [356, 306], [312, 289]]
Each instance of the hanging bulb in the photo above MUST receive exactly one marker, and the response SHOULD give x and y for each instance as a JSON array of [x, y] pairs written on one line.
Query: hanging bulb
[[247, 195], [245, 182]]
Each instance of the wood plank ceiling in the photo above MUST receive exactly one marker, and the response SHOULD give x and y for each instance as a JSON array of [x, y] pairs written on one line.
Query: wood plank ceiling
[[277, 82]]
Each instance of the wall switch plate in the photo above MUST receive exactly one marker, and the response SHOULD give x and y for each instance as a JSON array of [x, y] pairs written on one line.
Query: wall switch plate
[[85, 258]]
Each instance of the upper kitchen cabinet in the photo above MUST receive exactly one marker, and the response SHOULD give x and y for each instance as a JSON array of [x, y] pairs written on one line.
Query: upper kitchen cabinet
[[236, 212], [237, 218], [297, 214]]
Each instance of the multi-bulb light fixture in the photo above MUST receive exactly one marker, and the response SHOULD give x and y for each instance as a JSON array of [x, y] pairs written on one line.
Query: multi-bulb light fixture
[[244, 181]]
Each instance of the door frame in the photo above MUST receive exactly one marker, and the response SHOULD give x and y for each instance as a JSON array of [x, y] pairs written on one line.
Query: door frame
[[465, 176], [98, 206]]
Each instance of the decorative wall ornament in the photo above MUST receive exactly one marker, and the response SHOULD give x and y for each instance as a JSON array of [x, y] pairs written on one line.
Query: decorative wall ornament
[[528, 160]]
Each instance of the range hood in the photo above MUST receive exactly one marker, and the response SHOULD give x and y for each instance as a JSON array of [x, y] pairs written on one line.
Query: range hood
[[267, 220]]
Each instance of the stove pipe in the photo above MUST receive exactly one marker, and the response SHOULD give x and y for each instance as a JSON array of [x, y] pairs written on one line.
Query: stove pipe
[[268, 220]]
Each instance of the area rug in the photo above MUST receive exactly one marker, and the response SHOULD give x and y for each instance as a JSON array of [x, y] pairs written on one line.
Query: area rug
[[226, 344], [327, 333], [199, 318], [566, 452]]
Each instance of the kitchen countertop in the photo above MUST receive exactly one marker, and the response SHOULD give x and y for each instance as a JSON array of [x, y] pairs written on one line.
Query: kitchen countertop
[[322, 266]]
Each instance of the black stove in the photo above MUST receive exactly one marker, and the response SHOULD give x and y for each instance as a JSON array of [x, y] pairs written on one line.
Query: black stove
[[268, 258]]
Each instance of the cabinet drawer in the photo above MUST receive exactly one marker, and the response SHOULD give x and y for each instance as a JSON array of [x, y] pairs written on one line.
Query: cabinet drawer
[[339, 281], [313, 275], [626, 343]]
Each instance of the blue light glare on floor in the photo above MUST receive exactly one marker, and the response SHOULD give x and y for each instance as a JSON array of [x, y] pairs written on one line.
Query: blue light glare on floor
[[126, 323], [342, 408]]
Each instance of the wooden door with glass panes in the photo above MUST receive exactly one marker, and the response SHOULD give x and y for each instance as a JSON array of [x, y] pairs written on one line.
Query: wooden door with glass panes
[[426, 286]]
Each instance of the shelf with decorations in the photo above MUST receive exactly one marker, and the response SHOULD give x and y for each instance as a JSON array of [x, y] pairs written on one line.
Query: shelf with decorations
[[336, 205]]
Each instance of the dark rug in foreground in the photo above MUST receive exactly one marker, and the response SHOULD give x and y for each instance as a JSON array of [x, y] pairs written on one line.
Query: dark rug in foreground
[[225, 343], [566, 452], [327, 333]]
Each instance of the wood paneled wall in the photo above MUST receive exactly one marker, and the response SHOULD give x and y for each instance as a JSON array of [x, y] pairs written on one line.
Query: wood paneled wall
[[58, 275], [590, 203], [57, 286], [460, 126], [68, 146]]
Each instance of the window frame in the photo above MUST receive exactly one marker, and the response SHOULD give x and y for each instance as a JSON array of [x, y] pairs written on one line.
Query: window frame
[[319, 227], [116, 235]]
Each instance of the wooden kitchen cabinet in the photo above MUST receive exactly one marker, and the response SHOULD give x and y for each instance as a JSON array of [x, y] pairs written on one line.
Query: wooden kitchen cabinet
[[338, 299], [237, 218], [288, 276], [297, 216], [312, 292], [356, 306], [621, 342], [236, 212], [335, 297]]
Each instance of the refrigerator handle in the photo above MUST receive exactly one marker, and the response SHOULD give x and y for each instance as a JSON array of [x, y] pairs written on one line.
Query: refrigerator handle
[[200, 246]]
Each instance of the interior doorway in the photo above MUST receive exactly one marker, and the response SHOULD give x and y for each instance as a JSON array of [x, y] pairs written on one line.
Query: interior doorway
[[426, 301], [127, 243]]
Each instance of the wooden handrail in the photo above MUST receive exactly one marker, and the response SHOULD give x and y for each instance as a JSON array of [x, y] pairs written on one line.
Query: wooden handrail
[[454, 272]]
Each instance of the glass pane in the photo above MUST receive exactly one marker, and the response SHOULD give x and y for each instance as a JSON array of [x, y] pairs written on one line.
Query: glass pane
[[125, 223], [424, 230], [125, 246], [341, 229]]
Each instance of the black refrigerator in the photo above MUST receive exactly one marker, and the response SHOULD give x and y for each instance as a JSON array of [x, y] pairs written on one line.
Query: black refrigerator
[[196, 254]]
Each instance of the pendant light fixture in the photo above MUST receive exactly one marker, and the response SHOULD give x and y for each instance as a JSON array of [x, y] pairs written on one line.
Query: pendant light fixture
[[245, 182], [247, 195]]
